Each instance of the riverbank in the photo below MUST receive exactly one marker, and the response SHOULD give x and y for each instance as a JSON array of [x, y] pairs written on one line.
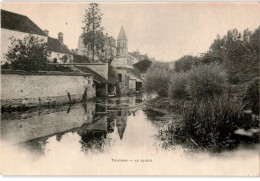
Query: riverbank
[[212, 125]]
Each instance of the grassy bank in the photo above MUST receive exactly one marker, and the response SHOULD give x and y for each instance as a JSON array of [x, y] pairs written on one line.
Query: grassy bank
[[207, 124]]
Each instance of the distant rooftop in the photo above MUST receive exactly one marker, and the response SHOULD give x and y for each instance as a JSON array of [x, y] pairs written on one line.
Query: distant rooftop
[[54, 45]]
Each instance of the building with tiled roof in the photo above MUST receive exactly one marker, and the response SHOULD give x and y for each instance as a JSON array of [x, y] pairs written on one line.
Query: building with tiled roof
[[18, 22], [129, 80], [17, 26], [20, 26], [57, 51]]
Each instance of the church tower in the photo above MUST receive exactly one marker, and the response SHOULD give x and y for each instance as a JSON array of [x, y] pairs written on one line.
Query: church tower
[[122, 47]]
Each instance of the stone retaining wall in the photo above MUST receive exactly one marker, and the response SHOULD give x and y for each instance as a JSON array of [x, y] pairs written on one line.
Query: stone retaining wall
[[20, 88]]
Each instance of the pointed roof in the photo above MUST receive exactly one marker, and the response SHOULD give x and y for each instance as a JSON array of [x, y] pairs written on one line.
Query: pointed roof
[[122, 35]]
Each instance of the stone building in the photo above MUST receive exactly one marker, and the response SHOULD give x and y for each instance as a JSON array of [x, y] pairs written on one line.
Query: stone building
[[58, 52], [130, 80]]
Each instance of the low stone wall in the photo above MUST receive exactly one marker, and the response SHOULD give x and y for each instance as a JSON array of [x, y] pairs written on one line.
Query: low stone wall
[[100, 68], [30, 89]]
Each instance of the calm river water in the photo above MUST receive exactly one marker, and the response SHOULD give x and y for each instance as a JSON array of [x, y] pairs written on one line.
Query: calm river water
[[106, 137]]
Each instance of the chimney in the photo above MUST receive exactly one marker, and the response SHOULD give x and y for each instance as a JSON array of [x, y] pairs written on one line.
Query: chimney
[[60, 37], [46, 32]]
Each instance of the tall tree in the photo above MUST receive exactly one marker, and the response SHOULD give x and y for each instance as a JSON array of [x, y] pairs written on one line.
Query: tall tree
[[100, 45], [105, 48], [92, 29]]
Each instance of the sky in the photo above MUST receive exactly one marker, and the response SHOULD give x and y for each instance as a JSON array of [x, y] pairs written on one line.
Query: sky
[[166, 31]]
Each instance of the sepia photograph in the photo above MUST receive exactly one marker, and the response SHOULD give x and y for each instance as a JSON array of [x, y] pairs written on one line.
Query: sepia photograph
[[130, 89]]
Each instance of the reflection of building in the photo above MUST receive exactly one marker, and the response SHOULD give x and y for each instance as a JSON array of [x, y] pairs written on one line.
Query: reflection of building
[[121, 122]]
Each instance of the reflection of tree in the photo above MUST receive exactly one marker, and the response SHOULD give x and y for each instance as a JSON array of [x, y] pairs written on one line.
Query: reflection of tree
[[111, 121], [36, 146], [152, 115], [93, 141], [93, 135], [121, 122]]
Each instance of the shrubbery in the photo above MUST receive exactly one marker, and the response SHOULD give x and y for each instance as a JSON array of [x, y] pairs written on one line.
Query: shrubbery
[[211, 123], [203, 81], [186, 63], [28, 54], [206, 81], [157, 79], [178, 86], [207, 91]]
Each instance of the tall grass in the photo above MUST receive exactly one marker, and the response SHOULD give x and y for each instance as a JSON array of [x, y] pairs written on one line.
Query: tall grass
[[211, 123]]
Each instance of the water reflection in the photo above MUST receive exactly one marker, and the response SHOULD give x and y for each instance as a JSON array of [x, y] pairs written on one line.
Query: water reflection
[[92, 122], [107, 125]]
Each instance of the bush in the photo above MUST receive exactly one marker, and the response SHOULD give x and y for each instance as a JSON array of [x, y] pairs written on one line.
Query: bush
[[28, 54], [206, 81], [212, 123], [186, 63], [251, 98], [58, 67], [178, 86], [5, 66], [157, 79]]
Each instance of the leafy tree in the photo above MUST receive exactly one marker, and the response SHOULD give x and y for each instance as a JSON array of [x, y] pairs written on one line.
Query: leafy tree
[[206, 81], [185, 63], [104, 48], [178, 86], [143, 65], [28, 54], [157, 79], [238, 52]]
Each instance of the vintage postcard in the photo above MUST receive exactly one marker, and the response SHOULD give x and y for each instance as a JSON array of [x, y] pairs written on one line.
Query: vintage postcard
[[130, 88]]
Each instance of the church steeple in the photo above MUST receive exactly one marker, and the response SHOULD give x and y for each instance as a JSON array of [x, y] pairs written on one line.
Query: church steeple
[[122, 35], [122, 47]]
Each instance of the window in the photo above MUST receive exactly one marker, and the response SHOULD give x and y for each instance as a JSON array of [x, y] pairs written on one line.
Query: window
[[120, 77]]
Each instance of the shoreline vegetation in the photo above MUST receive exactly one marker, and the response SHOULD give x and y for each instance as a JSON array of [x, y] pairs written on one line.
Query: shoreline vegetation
[[216, 95]]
